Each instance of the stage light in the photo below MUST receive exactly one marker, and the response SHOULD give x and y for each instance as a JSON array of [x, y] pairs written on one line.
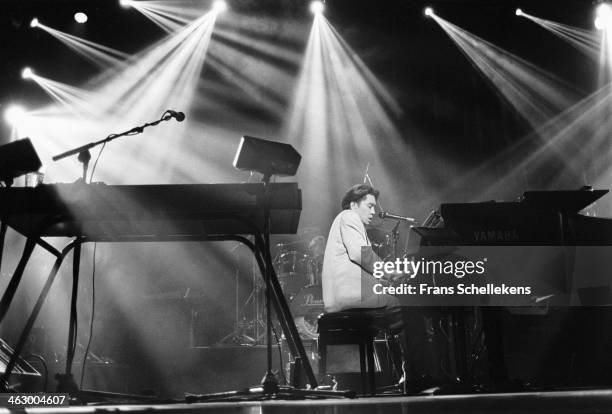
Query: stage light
[[603, 9], [27, 73], [518, 12], [80, 17], [125, 3], [429, 12], [266, 157], [219, 6], [34, 23], [317, 7], [14, 114], [603, 19], [16, 159]]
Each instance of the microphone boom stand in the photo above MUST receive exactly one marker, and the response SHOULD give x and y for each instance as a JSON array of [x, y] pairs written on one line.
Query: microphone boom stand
[[83, 150]]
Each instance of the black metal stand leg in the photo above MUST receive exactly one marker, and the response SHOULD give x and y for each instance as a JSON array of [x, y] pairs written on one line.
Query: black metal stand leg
[[72, 333], [66, 381], [491, 320], [9, 293], [3, 229], [269, 382], [291, 332], [363, 370], [371, 366], [322, 359], [288, 325], [34, 314]]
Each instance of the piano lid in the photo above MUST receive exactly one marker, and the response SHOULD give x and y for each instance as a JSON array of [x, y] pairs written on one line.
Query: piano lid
[[536, 219], [567, 201]]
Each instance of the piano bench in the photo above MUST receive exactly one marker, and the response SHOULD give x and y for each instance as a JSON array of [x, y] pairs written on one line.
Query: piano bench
[[357, 327]]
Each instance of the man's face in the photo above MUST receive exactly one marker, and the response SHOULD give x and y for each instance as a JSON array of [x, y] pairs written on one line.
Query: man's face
[[365, 208]]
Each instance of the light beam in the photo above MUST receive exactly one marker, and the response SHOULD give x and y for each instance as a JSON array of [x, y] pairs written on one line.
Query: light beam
[[342, 119], [586, 41], [100, 55], [534, 93]]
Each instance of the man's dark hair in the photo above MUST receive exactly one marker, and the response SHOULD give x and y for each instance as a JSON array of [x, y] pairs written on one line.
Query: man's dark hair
[[357, 193]]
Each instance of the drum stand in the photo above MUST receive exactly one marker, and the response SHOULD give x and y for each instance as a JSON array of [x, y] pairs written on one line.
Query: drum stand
[[256, 325], [238, 336]]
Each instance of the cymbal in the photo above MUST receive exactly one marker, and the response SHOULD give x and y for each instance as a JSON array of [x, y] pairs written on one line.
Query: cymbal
[[310, 231], [291, 243]]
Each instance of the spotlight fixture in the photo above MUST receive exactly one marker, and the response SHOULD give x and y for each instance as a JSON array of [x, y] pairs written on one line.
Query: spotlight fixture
[[518, 12], [80, 17], [317, 7], [34, 23], [429, 12], [603, 9], [14, 115], [603, 19], [219, 6], [266, 157], [27, 73], [125, 3]]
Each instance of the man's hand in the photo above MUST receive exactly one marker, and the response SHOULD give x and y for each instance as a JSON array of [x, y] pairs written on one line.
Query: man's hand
[[393, 278]]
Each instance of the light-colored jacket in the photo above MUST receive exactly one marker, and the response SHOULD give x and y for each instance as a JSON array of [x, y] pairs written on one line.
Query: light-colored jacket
[[347, 268]]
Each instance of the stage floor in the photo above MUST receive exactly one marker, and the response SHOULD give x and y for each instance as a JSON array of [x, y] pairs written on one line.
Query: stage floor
[[587, 401]]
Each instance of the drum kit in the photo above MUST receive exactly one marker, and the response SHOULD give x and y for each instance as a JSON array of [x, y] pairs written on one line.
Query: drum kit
[[299, 274], [298, 264]]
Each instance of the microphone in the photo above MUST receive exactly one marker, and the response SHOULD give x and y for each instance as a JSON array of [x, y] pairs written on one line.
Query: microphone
[[179, 116], [384, 215]]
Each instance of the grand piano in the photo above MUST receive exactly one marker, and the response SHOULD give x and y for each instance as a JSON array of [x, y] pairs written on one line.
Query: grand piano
[[537, 220]]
